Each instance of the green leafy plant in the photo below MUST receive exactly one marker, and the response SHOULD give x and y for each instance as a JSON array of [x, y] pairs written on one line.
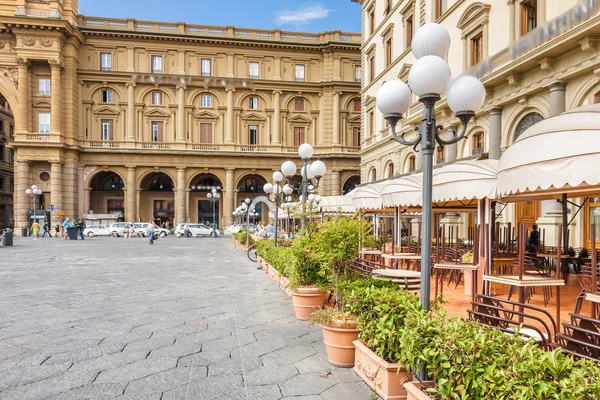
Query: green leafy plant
[[330, 315], [467, 257]]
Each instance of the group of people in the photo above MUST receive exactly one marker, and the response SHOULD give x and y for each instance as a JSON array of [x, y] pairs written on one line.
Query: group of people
[[264, 231], [47, 230]]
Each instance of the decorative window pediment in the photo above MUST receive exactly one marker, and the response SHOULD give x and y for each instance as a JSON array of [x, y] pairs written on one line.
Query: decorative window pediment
[[403, 73], [299, 119], [205, 115], [157, 113], [106, 111], [475, 15], [253, 117]]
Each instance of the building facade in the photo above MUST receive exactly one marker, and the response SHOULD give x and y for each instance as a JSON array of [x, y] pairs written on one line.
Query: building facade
[[557, 75], [143, 118], [7, 184]]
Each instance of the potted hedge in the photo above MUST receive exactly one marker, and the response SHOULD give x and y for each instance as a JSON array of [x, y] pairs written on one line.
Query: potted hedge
[[381, 310], [468, 360]]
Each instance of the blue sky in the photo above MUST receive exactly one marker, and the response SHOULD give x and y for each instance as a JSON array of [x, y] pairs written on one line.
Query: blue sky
[[309, 16]]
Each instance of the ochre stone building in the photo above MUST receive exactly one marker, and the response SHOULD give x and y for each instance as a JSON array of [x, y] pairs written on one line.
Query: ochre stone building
[[143, 117], [6, 163]]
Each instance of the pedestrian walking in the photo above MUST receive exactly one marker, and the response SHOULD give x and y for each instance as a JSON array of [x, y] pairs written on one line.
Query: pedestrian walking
[[81, 229], [46, 230], [65, 226], [131, 231], [151, 227], [35, 227], [57, 230]]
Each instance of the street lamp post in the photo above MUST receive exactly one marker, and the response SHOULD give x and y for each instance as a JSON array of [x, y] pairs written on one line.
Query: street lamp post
[[33, 192], [214, 197], [276, 194], [429, 78]]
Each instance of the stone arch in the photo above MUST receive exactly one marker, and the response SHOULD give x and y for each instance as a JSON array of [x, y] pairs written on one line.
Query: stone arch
[[257, 175], [472, 12], [464, 146], [289, 100], [195, 177], [350, 183], [348, 104], [167, 93], [586, 93], [262, 97], [142, 178], [386, 168], [372, 175], [120, 96], [404, 161], [516, 117], [90, 178], [195, 95]]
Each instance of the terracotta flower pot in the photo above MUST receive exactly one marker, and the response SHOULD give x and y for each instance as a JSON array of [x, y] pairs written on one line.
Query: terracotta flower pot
[[306, 300], [339, 338], [385, 378], [266, 266], [284, 283], [414, 390]]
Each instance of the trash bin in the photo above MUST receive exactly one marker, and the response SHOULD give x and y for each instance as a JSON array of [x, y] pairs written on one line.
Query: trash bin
[[73, 232], [7, 237], [24, 231]]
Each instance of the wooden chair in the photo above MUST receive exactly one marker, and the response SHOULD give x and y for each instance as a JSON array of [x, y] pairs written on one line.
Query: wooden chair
[[506, 316]]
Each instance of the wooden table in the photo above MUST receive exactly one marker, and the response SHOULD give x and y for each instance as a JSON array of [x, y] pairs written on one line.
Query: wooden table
[[410, 279], [498, 262], [443, 267], [593, 297], [374, 254], [389, 258], [529, 281]]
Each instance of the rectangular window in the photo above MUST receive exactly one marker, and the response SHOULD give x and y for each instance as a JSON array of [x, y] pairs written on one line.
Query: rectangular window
[[371, 68], [106, 61], [206, 67], [356, 137], [206, 133], [476, 49], [299, 105], [372, 22], [107, 96], [206, 100], [11, 155], [356, 105], [44, 86], [528, 16], [44, 122], [157, 131], [299, 73], [107, 129], [253, 70], [253, 103], [388, 52], [299, 136], [371, 124], [253, 135], [157, 64], [157, 98], [440, 7], [1, 126], [388, 7], [409, 31], [1, 153], [357, 73]]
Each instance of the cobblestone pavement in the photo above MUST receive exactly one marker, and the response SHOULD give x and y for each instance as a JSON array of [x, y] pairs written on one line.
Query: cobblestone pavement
[[182, 319]]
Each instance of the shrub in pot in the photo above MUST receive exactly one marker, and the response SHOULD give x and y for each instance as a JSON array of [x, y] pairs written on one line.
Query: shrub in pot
[[339, 333]]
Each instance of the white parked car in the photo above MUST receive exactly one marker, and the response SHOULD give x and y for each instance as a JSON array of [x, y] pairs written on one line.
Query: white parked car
[[118, 228], [141, 229], [196, 230], [96, 230], [179, 230]]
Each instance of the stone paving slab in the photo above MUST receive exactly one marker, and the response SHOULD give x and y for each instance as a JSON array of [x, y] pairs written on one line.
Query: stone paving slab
[[184, 319]]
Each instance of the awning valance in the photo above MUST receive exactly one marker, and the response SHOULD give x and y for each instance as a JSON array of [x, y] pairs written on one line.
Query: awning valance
[[465, 180], [562, 152], [368, 197], [405, 191], [334, 204]]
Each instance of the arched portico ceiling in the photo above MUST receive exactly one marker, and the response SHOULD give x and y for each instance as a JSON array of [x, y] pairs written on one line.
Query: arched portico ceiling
[[107, 181], [157, 182], [205, 182]]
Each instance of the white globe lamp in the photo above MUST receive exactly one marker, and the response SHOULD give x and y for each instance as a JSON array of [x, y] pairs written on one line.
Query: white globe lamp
[[318, 168], [429, 75], [288, 168], [305, 151], [287, 190], [277, 176], [393, 97], [431, 40], [465, 93], [268, 188]]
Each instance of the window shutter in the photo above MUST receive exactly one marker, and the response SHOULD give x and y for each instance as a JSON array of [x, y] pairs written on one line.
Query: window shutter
[[161, 133], [206, 133], [111, 130]]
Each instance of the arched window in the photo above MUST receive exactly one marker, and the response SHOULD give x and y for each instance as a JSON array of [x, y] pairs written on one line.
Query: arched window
[[412, 163], [351, 184], [597, 98], [477, 143], [389, 170], [373, 175], [527, 122], [440, 155]]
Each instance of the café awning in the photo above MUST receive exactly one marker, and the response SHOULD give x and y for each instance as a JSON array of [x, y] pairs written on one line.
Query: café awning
[[368, 197], [558, 155], [405, 191], [465, 180], [334, 204]]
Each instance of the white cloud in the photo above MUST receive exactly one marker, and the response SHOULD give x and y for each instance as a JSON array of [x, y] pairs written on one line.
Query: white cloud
[[307, 13]]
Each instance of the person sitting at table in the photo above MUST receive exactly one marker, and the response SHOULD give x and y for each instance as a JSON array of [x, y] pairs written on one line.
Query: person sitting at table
[[534, 237]]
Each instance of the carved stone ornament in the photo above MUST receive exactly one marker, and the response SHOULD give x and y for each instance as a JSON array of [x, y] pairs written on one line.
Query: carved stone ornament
[[47, 42], [28, 41], [11, 73], [22, 62], [55, 64], [2, 44]]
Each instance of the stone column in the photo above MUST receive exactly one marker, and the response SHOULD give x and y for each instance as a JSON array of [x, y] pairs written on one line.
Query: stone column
[[23, 202], [130, 192], [229, 132], [180, 196], [181, 134], [22, 120], [336, 118], [228, 198], [495, 133], [451, 152], [86, 200], [336, 183], [138, 200], [277, 117], [130, 113], [55, 97], [56, 187], [557, 98]]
